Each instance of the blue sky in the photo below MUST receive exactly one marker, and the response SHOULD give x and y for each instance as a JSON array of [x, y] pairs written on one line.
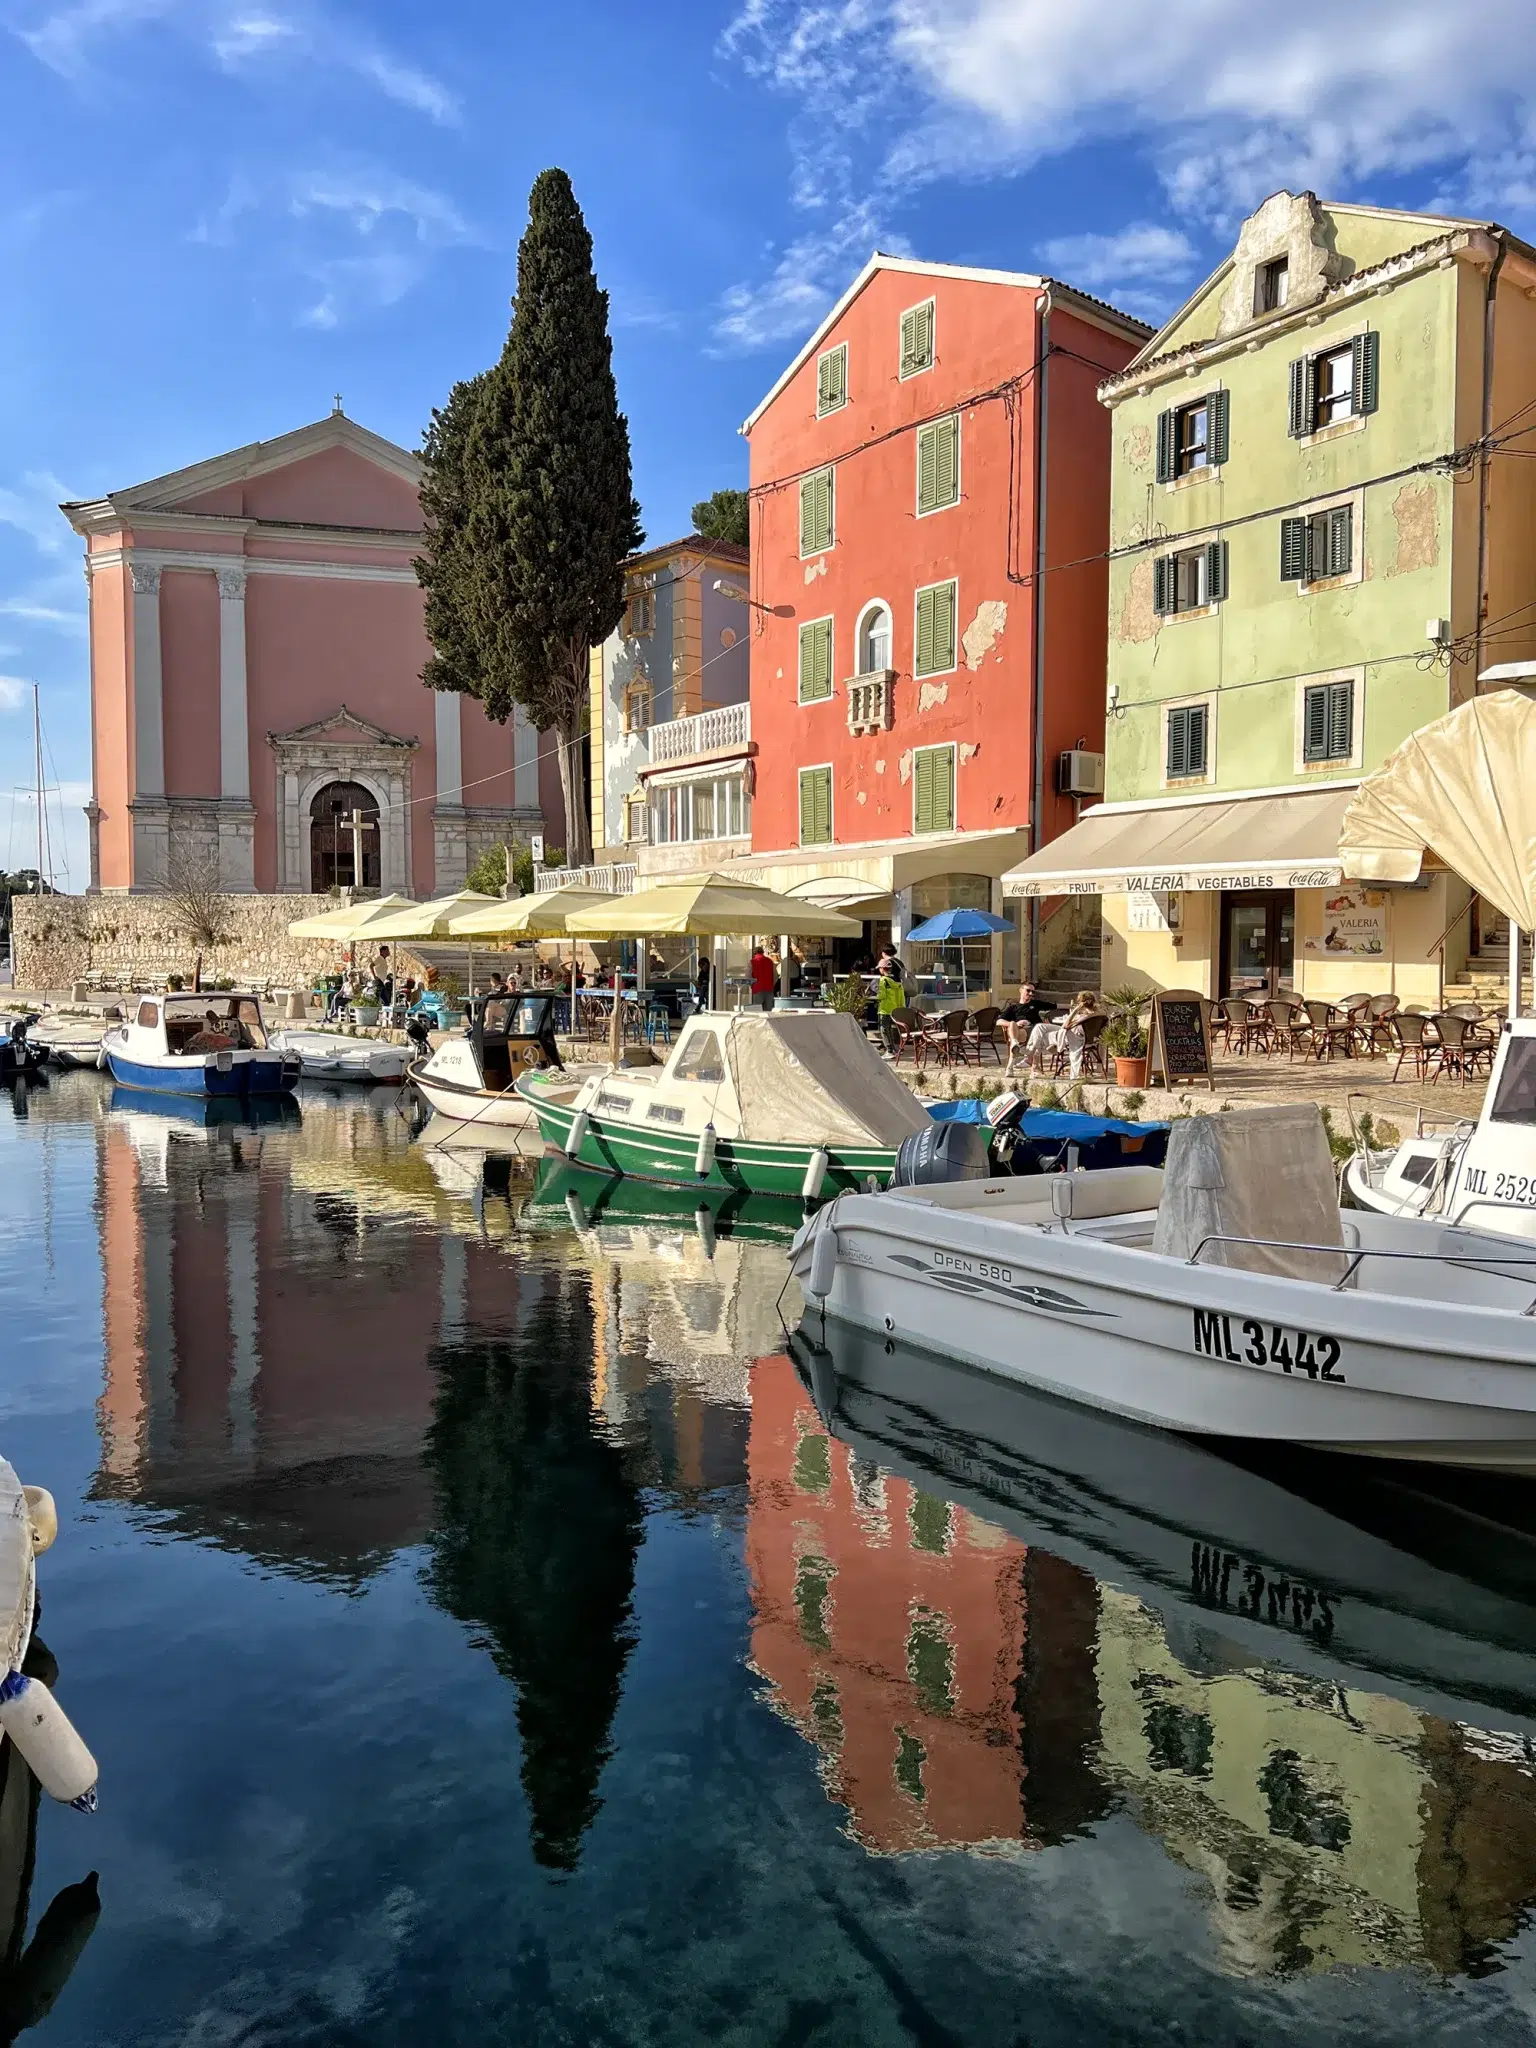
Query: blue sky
[[216, 213]]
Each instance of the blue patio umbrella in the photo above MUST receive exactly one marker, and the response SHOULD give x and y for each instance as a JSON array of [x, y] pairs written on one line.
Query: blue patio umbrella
[[958, 925]]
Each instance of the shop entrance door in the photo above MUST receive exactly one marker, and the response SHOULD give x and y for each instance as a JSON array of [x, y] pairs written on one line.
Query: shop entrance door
[[1258, 943]]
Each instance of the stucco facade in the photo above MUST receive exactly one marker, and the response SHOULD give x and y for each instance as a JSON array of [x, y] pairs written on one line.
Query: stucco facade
[[935, 446], [1242, 430], [257, 642]]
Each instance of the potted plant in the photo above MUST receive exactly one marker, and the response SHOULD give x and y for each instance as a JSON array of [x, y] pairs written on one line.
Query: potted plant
[[365, 1005], [1125, 1039]]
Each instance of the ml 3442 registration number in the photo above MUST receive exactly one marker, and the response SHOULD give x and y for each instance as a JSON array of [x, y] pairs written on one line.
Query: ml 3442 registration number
[[1246, 1341]]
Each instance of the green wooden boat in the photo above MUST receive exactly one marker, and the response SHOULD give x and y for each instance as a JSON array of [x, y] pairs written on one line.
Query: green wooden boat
[[789, 1103]]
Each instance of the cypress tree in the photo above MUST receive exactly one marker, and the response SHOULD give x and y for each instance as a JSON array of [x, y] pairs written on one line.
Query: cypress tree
[[531, 510]]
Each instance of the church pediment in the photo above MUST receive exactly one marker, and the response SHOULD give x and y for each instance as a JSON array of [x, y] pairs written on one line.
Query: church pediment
[[341, 729]]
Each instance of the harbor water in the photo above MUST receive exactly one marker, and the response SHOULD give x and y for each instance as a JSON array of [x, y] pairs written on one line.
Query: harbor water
[[494, 1626]]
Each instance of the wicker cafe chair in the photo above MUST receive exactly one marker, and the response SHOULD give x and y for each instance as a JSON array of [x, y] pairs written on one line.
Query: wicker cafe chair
[[908, 1026], [1289, 1026], [1378, 1014], [946, 1037], [1245, 1023], [1095, 1059], [981, 1033], [1407, 1029], [1460, 1051], [1331, 1027]]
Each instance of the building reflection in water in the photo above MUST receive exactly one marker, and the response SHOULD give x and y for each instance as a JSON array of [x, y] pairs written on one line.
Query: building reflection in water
[[965, 1690]]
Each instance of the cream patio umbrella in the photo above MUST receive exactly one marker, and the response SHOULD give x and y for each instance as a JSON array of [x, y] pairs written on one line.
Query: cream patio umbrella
[[351, 921], [427, 921], [1462, 788], [534, 917], [711, 906]]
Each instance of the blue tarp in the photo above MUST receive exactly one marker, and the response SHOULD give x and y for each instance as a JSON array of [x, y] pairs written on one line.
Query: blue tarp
[[1058, 1126]]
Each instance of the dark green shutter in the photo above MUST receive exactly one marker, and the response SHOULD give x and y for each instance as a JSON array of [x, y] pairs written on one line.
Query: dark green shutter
[[1216, 427], [1165, 447], [1162, 585], [1293, 551], [1215, 571], [1341, 537], [1303, 397], [1341, 721], [1367, 378], [1314, 738], [1198, 716], [1178, 745]]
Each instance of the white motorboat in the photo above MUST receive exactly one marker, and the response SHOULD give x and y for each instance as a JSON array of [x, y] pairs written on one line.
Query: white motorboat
[[332, 1056], [472, 1076], [1478, 1174], [1227, 1296], [71, 1041], [29, 1714]]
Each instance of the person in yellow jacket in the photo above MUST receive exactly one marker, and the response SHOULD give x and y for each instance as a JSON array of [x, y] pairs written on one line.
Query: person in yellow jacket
[[890, 996]]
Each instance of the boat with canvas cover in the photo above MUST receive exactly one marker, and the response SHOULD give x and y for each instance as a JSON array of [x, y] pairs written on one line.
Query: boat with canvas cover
[[1227, 1295], [777, 1102], [1478, 1174], [168, 1047], [1388, 1578]]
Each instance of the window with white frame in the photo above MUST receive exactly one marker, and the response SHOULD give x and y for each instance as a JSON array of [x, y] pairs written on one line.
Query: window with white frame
[[917, 330], [933, 789], [1187, 743], [937, 607], [1315, 546], [640, 614], [710, 807], [832, 380], [1334, 385], [816, 806], [938, 464], [1328, 722], [818, 522], [873, 652], [815, 683], [1189, 579]]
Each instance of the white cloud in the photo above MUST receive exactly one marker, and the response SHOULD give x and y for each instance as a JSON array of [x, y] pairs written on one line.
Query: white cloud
[[1141, 254], [807, 278], [34, 510], [1226, 100], [35, 614], [14, 692]]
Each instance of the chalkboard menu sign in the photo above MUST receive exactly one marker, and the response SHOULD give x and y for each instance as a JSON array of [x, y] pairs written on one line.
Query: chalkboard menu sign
[[1180, 1045]]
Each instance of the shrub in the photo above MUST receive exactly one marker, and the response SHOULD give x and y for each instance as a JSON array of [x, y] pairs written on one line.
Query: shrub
[[1130, 1106], [848, 996]]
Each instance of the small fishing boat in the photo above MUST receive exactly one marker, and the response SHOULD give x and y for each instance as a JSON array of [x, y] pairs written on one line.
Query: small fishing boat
[[70, 1041], [1481, 1174], [1226, 1296], [473, 1076], [775, 1102], [29, 1714], [21, 1055], [332, 1056], [170, 1047]]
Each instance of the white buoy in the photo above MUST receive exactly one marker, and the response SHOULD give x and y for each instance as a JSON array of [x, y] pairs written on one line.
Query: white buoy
[[704, 1224], [43, 1515], [576, 1136], [46, 1737], [823, 1264], [704, 1158], [815, 1173], [574, 1210]]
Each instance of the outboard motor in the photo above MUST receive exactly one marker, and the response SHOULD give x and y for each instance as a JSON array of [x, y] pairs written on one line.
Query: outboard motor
[[943, 1152], [419, 1031]]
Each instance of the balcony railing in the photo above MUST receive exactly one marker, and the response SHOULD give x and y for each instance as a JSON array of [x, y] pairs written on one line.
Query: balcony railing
[[618, 880], [679, 739], [870, 701]]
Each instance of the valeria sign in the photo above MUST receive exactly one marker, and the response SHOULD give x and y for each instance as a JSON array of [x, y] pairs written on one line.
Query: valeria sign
[[1167, 881]]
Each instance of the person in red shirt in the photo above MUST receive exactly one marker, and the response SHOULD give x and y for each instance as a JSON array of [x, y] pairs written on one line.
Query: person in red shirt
[[765, 974]]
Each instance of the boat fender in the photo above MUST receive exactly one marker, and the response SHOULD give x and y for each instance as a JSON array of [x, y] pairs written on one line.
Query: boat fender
[[822, 1375], [704, 1158], [823, 1263], [576, 1136], [815, 1174], [43, 1515], [46, 1737], [704, 1224], [101, 1059], [574, 1210]]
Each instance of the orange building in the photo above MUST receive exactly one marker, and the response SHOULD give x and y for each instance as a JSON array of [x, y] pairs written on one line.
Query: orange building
[[934, 447], [899, 1635]]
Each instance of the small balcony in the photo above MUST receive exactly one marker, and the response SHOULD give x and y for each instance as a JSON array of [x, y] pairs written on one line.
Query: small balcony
[[618, 880], [871, 701], [706, 732]]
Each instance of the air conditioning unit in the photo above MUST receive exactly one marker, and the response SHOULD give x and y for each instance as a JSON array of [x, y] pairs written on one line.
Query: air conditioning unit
[[1079, 773]]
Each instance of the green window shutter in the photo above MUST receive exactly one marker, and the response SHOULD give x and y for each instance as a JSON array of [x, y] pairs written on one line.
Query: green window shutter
[[1367, 374], [816, 512], [1162, 585], [1314, 734], [1341, 540], [938, 464], [1303, 397], [1165, 447], [935, 630], [1341, 721], [832, 379], [923, 664], [1216, 427], [815, 661], [1178, 745], [927, 468], [922, 790], [917, 339], [1215, 571], [1198, 716], [943, 789], [815, 806], [1293, 551]]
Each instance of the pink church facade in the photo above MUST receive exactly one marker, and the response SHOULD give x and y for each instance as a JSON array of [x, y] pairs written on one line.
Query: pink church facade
[[257, 642]]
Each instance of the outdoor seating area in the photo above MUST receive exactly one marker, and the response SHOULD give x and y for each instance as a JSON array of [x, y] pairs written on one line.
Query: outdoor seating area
[[1457, 1043]]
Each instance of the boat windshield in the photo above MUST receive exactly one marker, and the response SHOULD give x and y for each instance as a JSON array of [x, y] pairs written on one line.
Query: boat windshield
[[1515, 1102], [699, 1058], [234, 1021], [517, 1016]]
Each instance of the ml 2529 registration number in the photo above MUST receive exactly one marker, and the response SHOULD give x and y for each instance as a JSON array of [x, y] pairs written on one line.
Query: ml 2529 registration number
[[1247, 1341]]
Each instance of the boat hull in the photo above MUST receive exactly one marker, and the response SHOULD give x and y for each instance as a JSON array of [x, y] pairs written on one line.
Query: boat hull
[[610, 1146], [247, 1075], [1206, 1350], [486, 1107]]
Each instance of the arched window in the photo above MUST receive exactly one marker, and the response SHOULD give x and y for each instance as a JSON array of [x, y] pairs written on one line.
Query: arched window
[[874, 646], [331, 840]]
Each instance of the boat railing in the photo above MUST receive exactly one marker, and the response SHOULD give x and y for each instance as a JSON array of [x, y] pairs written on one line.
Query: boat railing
[[1354, 1254]]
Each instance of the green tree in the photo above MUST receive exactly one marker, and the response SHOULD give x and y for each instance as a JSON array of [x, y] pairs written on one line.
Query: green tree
[[489, 873], [723, 515], [531, 509]]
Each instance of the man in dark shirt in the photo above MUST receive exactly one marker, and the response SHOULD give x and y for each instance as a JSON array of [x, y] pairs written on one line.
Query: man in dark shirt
[[1020, 1018]]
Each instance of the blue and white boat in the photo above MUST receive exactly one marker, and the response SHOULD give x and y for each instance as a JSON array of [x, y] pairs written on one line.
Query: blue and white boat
[[202, 1045]]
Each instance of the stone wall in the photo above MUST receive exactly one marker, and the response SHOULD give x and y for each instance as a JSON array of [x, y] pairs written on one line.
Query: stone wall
[[123, 939]]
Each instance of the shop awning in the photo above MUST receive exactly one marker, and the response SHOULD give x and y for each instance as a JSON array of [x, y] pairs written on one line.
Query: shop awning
[[1462, 790], [1255, 842]]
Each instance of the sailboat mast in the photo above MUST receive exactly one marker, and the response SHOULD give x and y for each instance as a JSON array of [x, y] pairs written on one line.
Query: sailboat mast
[[37, 742]]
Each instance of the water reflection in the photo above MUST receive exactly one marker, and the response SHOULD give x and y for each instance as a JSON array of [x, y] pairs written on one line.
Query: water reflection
[[929, 1650]]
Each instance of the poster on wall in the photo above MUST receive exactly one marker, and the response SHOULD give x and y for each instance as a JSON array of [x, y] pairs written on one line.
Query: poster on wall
[[1354, 926], [1152, 912]]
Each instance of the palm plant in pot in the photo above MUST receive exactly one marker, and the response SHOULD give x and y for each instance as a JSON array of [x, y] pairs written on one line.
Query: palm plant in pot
[[1125, 1038]]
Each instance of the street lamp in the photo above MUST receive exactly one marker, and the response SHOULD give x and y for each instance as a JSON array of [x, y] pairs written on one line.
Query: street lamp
[[731, 590]]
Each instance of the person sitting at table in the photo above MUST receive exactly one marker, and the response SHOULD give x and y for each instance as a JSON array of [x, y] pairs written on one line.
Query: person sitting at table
[[1067, 1036], [1019, 1019]]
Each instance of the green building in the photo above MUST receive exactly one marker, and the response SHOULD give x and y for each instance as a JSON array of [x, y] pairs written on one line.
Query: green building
[[1323, 522]]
